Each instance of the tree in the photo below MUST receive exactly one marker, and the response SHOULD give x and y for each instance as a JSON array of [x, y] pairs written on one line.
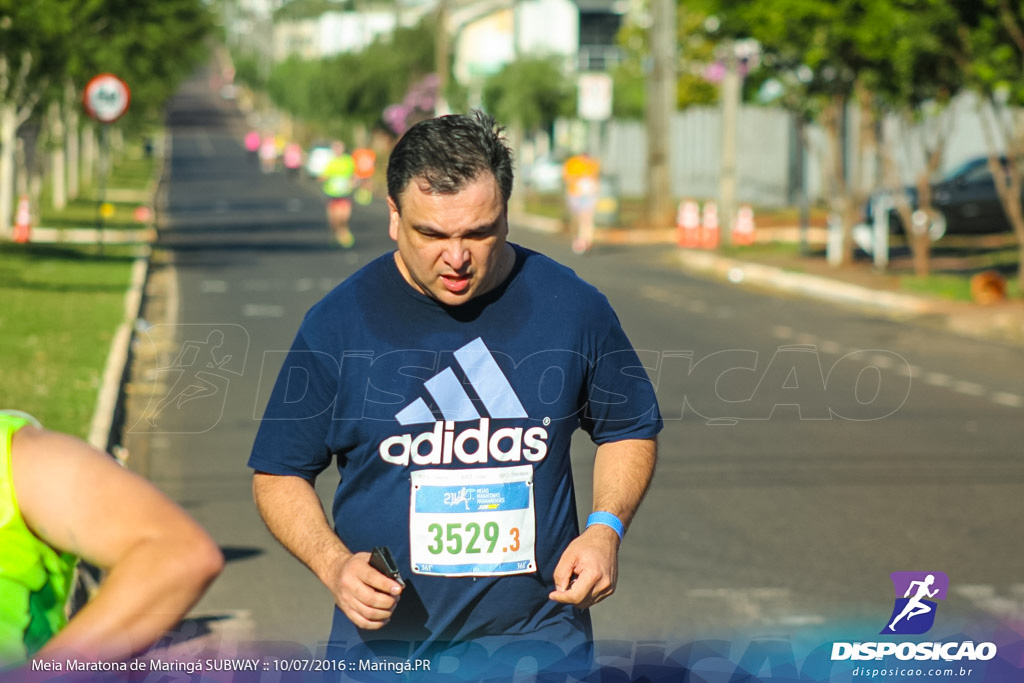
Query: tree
[[915, 74], [531, 92], [349, 90], [991, 56], [31, 58], [49, 49], [696, 45]]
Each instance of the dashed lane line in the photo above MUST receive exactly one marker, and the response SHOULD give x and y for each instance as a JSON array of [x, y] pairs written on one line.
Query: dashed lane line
[[829, 346]]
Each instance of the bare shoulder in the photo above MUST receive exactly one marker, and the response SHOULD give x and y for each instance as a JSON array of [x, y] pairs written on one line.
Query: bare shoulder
[[80, 500]]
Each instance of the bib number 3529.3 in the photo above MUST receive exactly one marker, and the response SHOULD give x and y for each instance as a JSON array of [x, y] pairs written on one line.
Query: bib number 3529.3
[[473, 522]]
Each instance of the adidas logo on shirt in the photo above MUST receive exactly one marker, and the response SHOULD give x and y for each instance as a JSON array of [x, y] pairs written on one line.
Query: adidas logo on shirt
[[453, 404]]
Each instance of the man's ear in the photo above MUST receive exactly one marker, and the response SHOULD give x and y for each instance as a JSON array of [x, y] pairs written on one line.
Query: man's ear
[[394, 219]]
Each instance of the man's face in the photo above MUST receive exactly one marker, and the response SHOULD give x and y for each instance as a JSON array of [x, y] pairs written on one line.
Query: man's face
[[452, 246]]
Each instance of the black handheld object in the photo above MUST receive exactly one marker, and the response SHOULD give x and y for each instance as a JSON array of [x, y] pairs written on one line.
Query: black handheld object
[[382, 560]]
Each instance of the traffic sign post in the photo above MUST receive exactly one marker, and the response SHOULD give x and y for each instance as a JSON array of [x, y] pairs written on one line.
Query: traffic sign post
[[106, 98]]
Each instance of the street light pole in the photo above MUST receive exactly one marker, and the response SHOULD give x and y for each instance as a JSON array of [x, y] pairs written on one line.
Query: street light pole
[[661, 105]]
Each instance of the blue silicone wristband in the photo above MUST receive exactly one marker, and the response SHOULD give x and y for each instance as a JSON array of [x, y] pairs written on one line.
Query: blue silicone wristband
[[608, 519]]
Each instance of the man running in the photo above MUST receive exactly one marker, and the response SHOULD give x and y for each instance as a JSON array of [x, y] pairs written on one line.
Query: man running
[[427, 378]]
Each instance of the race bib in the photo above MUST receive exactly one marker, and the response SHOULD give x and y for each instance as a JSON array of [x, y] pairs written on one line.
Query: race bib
[[478, 522]]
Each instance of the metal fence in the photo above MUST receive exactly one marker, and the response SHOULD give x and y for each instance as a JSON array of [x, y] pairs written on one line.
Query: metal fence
[[768, 153]]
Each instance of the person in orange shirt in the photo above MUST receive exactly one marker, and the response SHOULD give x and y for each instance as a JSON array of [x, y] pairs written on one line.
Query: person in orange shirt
[[581, 174], [366, 163]]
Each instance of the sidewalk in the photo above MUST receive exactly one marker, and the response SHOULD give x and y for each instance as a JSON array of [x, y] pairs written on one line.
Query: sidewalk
[[858, 285]]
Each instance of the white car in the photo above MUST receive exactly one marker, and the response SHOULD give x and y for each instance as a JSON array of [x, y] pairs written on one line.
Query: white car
[[544, 175]]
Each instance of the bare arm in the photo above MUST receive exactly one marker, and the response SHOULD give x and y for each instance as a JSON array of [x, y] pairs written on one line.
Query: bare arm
[[588, 570], [292, 511], [158, 561]]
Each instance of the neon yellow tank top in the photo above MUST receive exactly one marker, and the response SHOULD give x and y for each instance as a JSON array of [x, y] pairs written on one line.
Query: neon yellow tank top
[[35, 579]]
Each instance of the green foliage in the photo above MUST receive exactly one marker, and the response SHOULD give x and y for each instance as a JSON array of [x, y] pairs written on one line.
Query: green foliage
[[295, 10], [992, 33], [247, 71], [696, 51], [352, 89], [904, 51], [152, 46], [33, 43], [532, 91]]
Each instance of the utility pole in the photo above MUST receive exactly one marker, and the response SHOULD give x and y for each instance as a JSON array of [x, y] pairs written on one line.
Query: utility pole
[[730, 98], [442, 56], [661, 105]]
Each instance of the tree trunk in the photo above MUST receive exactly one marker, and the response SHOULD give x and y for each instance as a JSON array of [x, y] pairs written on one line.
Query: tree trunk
[[71, 140], [8, 137], [58, 170], [831, 120], [921, 245]]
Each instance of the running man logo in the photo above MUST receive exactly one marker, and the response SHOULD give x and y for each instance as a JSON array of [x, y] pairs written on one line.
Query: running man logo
[[191, 368], [915, 606], [451, 404]]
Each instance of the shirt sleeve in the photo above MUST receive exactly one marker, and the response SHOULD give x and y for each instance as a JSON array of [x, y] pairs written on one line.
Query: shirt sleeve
[[292, 437], [621, 401]]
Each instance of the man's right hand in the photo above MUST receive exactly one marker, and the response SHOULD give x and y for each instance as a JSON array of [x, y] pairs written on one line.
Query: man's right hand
[[293, 513], [367, 597]]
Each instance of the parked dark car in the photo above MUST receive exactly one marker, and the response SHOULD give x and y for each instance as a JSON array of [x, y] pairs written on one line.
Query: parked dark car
[[967, 199]]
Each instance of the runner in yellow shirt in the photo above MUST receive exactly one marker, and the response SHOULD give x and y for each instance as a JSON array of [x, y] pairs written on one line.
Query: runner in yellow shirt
[[339, 183], [581, 174]]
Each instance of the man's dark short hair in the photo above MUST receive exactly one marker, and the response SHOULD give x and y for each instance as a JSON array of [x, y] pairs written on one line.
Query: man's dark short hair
[[449, 152]]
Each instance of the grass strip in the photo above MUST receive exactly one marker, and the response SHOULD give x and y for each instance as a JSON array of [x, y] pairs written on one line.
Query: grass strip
[[61, 308]]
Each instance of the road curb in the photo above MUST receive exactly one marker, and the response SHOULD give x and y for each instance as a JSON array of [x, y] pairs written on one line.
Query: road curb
[[811, 286], [105, 413], [536, 223], [115, 372]]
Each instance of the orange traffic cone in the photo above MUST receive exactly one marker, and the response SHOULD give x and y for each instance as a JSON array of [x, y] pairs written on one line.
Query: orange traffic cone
[[688, 224], [743, 231], [709, 226], [23, 221]]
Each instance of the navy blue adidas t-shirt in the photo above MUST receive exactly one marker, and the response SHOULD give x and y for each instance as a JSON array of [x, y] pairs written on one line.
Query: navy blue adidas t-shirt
[[451, 430]]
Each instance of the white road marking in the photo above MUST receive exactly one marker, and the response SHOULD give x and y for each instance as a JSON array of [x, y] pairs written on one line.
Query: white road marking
[[1007, 399], [883, 361], [213, 286], [969, 388], [262, 311]]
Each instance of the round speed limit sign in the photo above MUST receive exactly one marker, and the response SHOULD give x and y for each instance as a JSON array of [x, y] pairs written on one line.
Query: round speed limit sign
[[106, 98]]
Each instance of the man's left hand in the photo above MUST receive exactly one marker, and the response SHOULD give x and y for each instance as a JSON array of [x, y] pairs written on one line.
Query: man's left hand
[[587, 572]]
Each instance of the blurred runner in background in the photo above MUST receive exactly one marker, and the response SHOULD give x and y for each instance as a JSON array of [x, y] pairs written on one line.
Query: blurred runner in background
[[338, 181], [366, 165], [293, 159], [252, 145], [268, 154], [581, 174]]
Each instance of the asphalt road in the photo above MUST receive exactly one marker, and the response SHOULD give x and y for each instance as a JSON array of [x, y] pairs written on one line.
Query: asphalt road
[[809, 451]]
